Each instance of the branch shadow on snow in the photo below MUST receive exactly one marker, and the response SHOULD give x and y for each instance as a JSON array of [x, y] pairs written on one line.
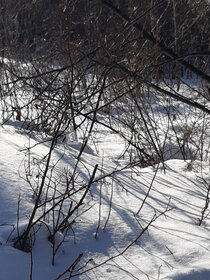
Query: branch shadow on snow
[[194, 275]]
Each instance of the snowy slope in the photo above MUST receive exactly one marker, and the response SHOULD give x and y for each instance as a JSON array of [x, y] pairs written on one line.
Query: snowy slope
[[173, 248]]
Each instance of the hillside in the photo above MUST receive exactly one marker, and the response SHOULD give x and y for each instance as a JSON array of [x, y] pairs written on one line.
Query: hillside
[[110, 228], [104, 140]]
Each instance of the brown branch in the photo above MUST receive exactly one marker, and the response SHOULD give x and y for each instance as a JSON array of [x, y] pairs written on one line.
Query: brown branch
[[176, 96]]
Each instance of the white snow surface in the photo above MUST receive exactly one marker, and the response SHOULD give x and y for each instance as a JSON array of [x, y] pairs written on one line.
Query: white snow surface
[[174, 247]]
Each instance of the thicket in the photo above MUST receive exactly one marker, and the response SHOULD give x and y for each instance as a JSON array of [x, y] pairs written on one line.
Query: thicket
[[67, 66]]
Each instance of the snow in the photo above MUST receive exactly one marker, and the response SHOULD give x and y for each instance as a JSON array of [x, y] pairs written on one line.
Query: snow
[[173, 248], [108, 234]]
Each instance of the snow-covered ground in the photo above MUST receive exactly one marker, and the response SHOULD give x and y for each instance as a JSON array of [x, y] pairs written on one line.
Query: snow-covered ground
[[112, 234]]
